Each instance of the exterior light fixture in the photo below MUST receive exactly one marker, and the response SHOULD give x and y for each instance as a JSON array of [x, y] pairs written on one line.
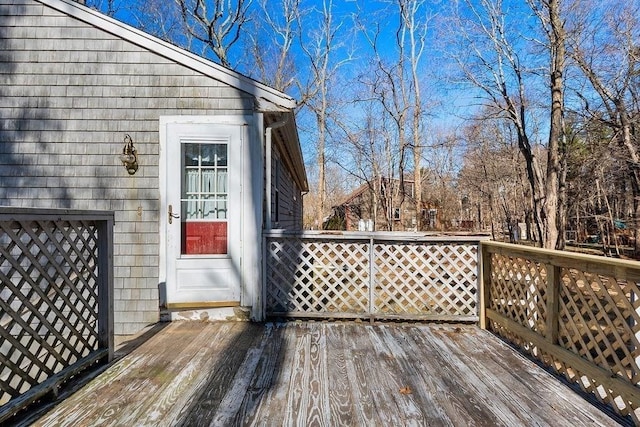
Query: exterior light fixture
[[129, 157]]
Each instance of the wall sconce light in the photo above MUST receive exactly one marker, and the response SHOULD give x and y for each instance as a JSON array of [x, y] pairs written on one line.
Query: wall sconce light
[[129, 157]]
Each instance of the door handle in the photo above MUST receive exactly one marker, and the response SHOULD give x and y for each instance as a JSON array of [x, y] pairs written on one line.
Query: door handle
[[172, 215]]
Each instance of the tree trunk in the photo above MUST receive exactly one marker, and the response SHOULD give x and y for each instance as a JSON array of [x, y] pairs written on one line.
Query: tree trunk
[[322, 193], [534, 175], [633, 165], [417, 188], [562, 198], [557, 36]]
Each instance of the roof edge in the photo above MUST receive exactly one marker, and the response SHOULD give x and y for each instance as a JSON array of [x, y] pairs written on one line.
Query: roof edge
[[288, 137], [268, 98]]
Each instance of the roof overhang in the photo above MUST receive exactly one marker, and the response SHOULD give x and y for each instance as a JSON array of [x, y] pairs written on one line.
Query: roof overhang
[[286, 137]]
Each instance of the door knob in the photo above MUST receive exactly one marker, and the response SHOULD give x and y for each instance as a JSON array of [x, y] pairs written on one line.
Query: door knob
[[172, 215]]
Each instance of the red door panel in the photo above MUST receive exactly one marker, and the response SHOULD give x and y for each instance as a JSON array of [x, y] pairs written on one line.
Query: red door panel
[[204, 238]]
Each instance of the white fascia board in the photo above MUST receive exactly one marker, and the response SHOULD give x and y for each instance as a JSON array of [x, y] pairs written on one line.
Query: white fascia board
[[292, 145], [267, 98]]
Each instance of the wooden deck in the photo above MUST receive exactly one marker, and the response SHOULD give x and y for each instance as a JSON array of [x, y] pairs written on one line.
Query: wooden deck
[[324, 374]]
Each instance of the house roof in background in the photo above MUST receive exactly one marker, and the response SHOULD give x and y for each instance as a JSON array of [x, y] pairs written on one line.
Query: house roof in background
[[355, 193], [367, 187]]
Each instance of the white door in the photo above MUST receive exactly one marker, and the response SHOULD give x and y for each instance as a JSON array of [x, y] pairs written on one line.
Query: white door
[[203, 203]]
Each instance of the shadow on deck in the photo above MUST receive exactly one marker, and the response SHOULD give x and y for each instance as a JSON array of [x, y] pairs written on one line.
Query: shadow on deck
[[318, 373]]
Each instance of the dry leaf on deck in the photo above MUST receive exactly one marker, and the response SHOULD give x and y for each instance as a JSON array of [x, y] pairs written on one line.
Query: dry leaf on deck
[[405, 390]]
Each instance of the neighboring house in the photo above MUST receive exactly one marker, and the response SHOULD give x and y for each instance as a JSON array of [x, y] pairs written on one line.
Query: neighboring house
[[81, 93], [381, 205]]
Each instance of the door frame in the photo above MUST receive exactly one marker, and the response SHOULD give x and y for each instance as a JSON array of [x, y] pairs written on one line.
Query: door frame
[[251, 209]]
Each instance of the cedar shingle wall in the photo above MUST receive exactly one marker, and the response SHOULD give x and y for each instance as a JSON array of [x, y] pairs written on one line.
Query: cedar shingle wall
[[68, 95], [289, 197]]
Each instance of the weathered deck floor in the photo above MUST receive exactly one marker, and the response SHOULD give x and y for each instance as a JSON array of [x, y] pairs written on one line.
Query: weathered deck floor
[[302, 374]]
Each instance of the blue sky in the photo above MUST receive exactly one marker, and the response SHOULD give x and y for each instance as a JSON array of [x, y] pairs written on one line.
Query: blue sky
[[447, 103]]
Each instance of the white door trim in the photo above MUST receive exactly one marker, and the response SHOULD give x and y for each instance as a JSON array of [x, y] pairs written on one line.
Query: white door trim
[[252, 158]]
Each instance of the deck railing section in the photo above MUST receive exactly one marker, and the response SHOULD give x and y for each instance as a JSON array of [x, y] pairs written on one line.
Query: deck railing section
[[56, 302], [577, 314], [371, 275]]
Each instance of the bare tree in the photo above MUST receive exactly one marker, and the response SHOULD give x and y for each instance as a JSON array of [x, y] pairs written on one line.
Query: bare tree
[[195, 25], [606, 51], [439, 176], [336, 192], [410, 12], [162, 19], [389, 86], [278, 28], [321, 46], [108, 7], [493, 176], [368, 146], [493, 63], [217, 24], [554, 203]]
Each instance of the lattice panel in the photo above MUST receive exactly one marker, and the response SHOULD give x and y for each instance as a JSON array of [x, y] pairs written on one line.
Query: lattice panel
[[325, 276], [514, 338], [305, 276], [425, 279], [588, 385], [591, 386], [599, 321], [48, 300], [518, 290]]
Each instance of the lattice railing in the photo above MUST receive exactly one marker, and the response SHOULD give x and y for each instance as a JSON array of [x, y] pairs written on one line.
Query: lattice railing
[[370, 275], [578, 314], [55, 300]]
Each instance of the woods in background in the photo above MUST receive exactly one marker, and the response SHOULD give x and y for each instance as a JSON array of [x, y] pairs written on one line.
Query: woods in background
[[519, 118]]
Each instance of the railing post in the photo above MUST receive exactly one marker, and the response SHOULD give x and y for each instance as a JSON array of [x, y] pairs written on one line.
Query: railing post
[[484, 275], [633, 324], [372, 282], [105, 285], [262, 297], [553, 296]]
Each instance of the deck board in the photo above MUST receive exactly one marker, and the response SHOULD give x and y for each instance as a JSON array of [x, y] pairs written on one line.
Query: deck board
[[324, 374]]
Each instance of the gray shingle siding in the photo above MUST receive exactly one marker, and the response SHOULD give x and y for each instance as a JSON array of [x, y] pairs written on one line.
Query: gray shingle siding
[[289, 196], [69, 93]]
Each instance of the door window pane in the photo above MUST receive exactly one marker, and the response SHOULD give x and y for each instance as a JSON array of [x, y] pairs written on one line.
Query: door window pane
[[190, 154], [221, 155], [204, 198]]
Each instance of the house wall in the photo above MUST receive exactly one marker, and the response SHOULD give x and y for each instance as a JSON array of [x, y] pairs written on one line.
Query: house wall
[[286, 197], [69, 93], [405, 223], [361, 207]]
